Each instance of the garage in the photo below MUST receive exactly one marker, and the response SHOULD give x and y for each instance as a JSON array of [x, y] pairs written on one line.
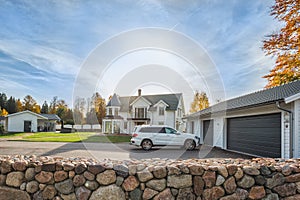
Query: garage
[[258, 135], [208, 132]]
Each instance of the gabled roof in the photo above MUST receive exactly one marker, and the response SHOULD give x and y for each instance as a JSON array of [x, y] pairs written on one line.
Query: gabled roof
[[141, 97], [41, 116], [171, 99], [27, 111], [115, 101], [51, 117], [262, 97], [161, 101]]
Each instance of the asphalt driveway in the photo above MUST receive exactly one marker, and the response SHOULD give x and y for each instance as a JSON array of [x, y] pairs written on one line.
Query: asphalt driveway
[[108, 150]]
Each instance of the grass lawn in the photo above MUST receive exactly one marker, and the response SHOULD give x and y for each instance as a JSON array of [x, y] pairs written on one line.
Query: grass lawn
[[66, 137]]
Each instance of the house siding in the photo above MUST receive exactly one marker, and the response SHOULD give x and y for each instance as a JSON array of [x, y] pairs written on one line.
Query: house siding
[[16, 123], [170, 118], [156, 118], [218, 136], [285, 129], [297, 128], [141, 103]]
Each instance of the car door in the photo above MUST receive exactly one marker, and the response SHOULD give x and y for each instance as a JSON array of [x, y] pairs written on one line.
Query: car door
[[162, 137], [157, 135], [173, 137]]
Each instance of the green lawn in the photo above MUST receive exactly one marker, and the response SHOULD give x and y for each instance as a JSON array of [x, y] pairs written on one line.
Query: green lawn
[[66, 137], [11, 135]]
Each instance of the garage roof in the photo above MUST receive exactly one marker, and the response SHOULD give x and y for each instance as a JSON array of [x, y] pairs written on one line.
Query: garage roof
[[262, 97], [41, 116]]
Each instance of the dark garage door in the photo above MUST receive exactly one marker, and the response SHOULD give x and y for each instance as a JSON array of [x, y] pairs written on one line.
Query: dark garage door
[[258, 135], [208, 132]]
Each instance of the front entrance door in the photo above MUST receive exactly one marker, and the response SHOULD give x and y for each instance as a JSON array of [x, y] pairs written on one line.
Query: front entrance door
[[27, 126]]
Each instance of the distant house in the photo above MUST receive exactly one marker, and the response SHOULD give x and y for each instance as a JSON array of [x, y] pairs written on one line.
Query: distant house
[[124, 113], [27, 121], [264, 123]]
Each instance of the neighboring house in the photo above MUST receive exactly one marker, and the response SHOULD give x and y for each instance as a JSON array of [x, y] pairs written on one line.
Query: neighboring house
[[124, 113], [27, 121], [265, 123]]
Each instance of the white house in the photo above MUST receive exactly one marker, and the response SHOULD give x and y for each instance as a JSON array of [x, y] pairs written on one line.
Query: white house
[[124, 113], [264, 123], [27, 121]]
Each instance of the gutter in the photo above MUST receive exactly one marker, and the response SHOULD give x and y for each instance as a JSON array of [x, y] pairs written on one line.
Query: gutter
[[291, 128]]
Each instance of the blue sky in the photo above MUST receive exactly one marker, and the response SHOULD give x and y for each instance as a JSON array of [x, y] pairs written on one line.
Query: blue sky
[[43, 44]]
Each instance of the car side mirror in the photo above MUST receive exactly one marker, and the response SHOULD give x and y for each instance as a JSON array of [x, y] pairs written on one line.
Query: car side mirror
[[177, 133]]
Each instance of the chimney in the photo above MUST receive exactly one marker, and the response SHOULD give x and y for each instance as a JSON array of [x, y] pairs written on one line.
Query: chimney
[[139, 92]]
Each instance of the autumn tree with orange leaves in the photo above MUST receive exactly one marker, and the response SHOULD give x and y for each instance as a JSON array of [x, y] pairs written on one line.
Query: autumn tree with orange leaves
[[285, 44], [200, 102]]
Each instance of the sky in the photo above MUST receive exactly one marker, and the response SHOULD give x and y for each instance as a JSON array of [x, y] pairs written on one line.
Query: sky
[[56, 48]]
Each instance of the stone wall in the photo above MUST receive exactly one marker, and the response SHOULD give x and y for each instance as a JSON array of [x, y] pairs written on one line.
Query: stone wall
[[29, 177]]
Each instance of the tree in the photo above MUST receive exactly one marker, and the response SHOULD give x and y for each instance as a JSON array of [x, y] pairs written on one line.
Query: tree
[[200, 102], [99, 106], [284, 45], [61, 109], [19, 106], [45, 108], [36, 109], [3, 112], [79, 110], [3, 100], [53, 105], [69, 117], [30, 104], [11, 105]]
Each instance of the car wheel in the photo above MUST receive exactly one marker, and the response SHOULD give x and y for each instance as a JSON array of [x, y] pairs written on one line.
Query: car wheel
[[189, 144], [147, 145]]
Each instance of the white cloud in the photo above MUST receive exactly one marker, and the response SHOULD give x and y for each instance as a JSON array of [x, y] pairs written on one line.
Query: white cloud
[[41, 57], [9, 85]]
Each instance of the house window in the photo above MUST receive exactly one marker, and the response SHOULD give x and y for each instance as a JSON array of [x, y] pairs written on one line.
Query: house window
[[160, 123], [125, 124], [116, 111], [140, 112], [110, 111], [161, 111]]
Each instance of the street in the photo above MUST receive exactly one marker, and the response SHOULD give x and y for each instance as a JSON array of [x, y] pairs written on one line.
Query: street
[[120, 151]]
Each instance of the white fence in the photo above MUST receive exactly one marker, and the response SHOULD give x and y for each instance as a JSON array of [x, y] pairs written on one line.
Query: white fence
[[84, 127]]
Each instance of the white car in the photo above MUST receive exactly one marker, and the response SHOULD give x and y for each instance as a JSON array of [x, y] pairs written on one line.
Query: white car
[[148, 136]]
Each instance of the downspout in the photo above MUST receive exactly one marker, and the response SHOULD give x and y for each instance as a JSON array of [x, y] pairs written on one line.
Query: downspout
[[291, 128]]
